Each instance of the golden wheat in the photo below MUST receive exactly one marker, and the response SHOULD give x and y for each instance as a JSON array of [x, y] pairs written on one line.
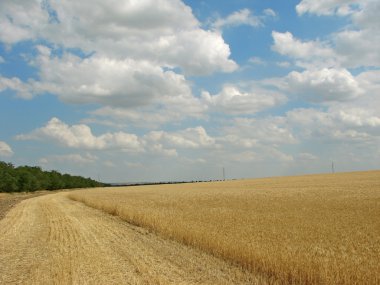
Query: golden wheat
[[317, 229]]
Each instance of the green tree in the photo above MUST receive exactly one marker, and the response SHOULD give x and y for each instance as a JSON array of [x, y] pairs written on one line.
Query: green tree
[[32, 178], [26, 180], [8, 181]]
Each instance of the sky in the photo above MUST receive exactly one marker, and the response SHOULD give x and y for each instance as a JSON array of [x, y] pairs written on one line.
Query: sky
[[171, 90]]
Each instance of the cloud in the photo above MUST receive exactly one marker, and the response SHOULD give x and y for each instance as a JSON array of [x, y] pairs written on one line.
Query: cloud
[[327, 84], [159, 149], [307, 157], [249, 132], [122, 117], [122, 83], [283, 64], [165, 33], [20, 20], [158, 113], [278, 155], [130, 61], [258, 156], [358, 48], [286, 44], [2, 60], [370, 81], [238, 18], [23, 90], [81, 137], [233, 101], [244, 157], [257, 61], [357, 117], [190, 138], [367, 15], [124, 56], [357, 44], [197, 52], [5, 149], [327, 7], [350, 125], [330, 85], [139, 91], [339, 123], [243, 17], [269, 12], [70, 158]]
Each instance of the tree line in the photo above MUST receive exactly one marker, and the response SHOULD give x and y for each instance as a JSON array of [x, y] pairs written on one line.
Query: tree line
[[33, 178]]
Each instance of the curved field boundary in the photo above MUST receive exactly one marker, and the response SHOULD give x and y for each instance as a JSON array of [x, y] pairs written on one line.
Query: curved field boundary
[[54, 240], [315, 229]]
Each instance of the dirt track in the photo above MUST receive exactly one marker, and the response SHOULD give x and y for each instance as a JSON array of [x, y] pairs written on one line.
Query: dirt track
[[54, 240], [7, 201]]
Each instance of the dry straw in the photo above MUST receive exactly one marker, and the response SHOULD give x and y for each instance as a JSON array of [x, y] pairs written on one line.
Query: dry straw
[[318, 229]]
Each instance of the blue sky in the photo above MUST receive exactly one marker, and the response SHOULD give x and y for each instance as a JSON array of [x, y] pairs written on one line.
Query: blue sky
[[176, 90]]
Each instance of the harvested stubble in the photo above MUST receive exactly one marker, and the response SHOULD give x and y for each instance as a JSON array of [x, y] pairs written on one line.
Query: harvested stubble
[[7, 200], [317, 229]]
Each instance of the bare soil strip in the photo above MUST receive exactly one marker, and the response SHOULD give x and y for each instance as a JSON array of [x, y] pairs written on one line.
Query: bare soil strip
[[54, 240]]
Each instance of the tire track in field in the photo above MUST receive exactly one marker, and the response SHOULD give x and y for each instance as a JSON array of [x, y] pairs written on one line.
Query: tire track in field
[[7, 201], [54, 240]]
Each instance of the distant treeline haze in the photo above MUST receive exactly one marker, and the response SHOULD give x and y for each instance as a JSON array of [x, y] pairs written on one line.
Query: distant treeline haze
[[32, 178]]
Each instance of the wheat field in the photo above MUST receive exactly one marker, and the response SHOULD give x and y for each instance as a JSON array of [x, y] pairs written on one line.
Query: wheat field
[[53, 240], [316, 229]]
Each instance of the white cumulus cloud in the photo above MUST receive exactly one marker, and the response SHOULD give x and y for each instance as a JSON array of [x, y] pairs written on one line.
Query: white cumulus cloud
[[357, 44], [323, 85], [231, 100], [164, 32], [342, 123], [193, 138], [238, 18], [243, 17], [122, 83], [129, 56], [287, 44], [249, 132], [80, 136], [5, 149]]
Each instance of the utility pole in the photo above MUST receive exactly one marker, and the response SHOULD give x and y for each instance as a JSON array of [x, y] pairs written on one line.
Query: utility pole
[[224, 174], [332, 167]]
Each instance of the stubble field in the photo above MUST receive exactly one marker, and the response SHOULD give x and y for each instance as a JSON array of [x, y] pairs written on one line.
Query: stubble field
[[317, 229], [7, 201], [54, 240]]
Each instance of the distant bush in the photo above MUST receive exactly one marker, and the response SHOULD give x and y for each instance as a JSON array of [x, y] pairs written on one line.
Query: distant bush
[[32, 178]]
